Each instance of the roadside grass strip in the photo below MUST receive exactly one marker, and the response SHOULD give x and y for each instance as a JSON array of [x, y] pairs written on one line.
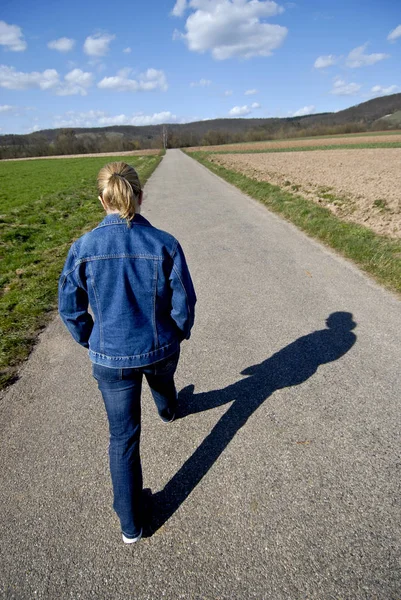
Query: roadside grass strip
[[250, 150], [378, 255], [44, 206]]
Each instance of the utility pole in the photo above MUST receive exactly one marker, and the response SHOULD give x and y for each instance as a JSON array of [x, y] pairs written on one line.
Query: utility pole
[[164, 136]]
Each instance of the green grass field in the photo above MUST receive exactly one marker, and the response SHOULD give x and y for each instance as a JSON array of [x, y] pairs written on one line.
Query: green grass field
[[44, 206], [378, 255]]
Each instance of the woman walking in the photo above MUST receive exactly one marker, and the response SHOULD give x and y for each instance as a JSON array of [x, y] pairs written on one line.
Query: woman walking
[[136, 280]]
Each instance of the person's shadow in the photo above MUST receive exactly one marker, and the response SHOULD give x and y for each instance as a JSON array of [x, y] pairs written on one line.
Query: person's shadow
[[292, 365]]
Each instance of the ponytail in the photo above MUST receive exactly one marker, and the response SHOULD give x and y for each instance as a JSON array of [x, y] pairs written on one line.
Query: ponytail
[[119, 187]]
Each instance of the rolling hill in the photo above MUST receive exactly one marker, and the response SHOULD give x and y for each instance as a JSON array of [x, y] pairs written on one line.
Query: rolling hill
[[377, 113]]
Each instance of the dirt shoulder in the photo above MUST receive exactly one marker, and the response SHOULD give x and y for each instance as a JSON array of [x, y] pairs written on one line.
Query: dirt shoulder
[[362, 186]]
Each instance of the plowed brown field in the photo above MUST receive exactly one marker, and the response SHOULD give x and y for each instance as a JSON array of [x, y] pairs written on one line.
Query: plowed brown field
[[362, 186], [301, 143]]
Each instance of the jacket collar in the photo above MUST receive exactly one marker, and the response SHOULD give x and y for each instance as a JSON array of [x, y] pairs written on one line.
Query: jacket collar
[[115, 219]]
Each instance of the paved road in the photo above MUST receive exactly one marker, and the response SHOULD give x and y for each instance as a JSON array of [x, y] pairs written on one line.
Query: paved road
[[281, 481]]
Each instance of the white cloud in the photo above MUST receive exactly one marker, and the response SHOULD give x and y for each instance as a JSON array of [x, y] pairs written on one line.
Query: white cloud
[[62, 44], [78, 119], [228, 93], [140, 119], [6, 108], [11, 37], [152, 79], [378, 90], [201, 83], [242, 111], [98, 44], [12, 79], [357, 57], [233, 28], [239, 111], [325, 61], [179, 8], [395, 34], [306, 110], [341, 88], [127, 50], [251, 92], [75, 82], [95, 118], [178, 35]]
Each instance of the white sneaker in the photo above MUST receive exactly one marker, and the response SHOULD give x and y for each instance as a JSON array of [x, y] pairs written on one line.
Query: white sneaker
[[128, 540]]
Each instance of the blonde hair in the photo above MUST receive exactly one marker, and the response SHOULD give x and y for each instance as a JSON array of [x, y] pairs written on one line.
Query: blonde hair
[[119, 187]]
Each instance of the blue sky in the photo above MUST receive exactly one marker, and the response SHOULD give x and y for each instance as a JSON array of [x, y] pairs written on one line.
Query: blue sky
[[89, 64]]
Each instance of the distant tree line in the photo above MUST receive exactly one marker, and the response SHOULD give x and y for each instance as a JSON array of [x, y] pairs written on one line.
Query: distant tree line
[[69, 142], [363, 117], [217, 137]]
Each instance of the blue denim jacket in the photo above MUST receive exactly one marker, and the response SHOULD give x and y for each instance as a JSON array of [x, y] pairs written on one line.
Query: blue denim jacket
[[136, 280]]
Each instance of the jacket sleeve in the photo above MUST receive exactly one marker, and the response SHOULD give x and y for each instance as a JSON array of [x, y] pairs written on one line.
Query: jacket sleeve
[[183, 294], [73, 302]]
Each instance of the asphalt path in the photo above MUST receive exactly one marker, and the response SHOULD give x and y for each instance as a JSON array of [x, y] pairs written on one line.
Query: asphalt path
[[279, 481]]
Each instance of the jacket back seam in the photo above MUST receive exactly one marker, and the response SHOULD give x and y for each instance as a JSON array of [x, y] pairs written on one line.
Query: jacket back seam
[[116, 256], [133, 356], [183, 287], [101, 332], [155, 273]]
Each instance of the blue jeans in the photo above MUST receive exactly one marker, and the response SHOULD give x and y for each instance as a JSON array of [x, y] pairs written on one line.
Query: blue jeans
[[121, 391]]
